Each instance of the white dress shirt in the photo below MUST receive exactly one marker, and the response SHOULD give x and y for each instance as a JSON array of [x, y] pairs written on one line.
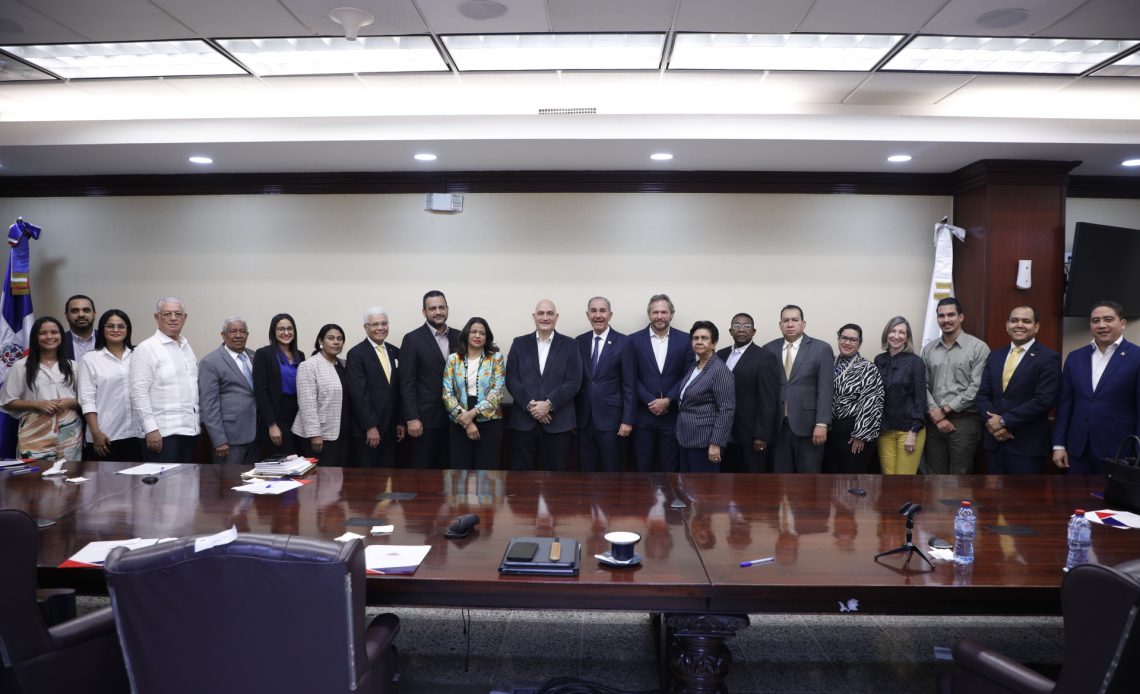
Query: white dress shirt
[[164, 386], [660, 347], [735, 354], [1100, 360], [794, 348], [543, 350], [81, 347], [104, 390], [605, 335]]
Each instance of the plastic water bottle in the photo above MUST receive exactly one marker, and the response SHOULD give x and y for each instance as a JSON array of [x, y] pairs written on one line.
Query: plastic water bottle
[[1080, 539], [965, 524]]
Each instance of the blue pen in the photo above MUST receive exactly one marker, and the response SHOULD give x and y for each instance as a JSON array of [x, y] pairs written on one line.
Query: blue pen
[[24, 470], [757, 562]]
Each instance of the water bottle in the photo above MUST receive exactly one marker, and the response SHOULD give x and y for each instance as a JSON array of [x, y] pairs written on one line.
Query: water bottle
[[964, 526], [1080, 539]]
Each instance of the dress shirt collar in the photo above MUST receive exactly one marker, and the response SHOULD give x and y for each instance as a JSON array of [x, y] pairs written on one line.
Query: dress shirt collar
[[235, 355], [163, 337], [654, 336], [740, 350], [1025, 347], [795, 345], [375, 344], [442, 332], [605, 335], [1110, 348], [541, 341]]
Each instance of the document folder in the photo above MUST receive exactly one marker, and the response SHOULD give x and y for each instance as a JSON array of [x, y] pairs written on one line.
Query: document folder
[[541, 564]]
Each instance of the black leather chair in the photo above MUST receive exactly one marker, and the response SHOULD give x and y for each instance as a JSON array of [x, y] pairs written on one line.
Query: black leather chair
[[79, 655], [265, 613], [1101, 607]]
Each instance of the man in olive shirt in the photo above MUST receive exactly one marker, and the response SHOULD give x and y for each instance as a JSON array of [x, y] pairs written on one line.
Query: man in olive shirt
[[954, 366]]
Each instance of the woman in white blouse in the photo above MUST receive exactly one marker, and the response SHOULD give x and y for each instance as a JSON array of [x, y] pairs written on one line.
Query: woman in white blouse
[[322, 401], [104, 394], [40, 391]]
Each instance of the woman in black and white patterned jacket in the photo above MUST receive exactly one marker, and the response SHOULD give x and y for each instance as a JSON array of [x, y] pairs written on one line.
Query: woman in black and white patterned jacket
[[857, 408]]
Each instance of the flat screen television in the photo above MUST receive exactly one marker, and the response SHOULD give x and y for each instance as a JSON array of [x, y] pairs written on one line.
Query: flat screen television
[[1105, 265]]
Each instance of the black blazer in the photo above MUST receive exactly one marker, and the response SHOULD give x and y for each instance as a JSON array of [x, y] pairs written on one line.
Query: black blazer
[[558, 383], [375, 401], [69, 348], [1025, 405], [421, 376], [757, 377], [272, 405]]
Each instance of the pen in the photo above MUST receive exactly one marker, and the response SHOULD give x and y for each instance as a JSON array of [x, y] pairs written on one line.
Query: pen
[[757, 562]]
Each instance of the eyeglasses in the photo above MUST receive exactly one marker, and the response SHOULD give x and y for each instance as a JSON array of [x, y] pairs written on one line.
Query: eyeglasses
[[115, 326], [284, 329], [375, 326], [172, 314], [844, 338], [741, 326]]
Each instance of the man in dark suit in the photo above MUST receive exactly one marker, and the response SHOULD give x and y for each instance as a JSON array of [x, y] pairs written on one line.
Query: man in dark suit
[[660, 359], [374, 388], [225, 396], [1100, 395], [423, 354], [605, 402], [756, 372], [806, 387], [80, 339], [544, 373], [1018, 390]]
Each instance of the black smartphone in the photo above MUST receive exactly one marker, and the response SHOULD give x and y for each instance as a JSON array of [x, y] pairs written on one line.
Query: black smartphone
[[858, 491], [939, 543], [522, 551]]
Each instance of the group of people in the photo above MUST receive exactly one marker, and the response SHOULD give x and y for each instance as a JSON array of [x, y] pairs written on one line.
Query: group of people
[[665, 399]]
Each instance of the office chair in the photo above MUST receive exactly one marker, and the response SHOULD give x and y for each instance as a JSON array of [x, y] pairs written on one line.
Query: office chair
[[265, 613], [1101, 607], [78, 655]]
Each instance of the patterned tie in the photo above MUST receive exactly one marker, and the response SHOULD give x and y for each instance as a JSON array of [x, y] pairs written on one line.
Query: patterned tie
[[1011, 363], [383, 354], [594, 355], [243, 360]]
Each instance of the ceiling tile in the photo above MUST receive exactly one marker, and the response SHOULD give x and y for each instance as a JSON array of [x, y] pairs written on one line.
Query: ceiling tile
[[969, 17], [114, 20], [521, 17], [224, 18], [1110, 19], [903, 89], [393, 17], [869, 16], [607, 15], [741, 16], [19, 24]]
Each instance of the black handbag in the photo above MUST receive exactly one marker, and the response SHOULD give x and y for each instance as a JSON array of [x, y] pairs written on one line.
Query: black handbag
[[1122, 478]]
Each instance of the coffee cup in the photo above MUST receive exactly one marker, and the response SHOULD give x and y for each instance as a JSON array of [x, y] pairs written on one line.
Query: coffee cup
[[621, 544]]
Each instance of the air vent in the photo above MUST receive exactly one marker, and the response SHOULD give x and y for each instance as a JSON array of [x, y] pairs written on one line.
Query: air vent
[[567, 111]]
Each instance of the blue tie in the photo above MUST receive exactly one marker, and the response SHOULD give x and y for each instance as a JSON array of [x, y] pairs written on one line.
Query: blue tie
[[594, 356]]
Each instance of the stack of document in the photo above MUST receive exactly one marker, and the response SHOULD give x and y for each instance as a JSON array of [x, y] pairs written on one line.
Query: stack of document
[[282, 468]]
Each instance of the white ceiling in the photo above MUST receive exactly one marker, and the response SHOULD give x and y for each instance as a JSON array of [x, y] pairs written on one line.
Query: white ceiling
[[710, 121]]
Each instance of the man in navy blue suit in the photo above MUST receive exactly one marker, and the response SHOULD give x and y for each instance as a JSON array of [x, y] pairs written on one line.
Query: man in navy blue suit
[[605, 402], [1018, 390], [544, 373], [659, 358], [1100, 395]]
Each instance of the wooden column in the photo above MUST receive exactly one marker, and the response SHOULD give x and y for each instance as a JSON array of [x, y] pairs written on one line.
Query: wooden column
[[1011, 210]]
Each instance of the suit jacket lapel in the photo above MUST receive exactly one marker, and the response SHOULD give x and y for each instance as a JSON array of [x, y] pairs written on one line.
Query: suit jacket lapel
[[1122, 352], [1024, 365], [232, 364], [801, 355]]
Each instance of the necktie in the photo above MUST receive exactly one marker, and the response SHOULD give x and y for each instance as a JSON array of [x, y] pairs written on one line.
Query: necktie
[[383, 354], [788, 361], [243, 360], [1011, 363], [594, 355]]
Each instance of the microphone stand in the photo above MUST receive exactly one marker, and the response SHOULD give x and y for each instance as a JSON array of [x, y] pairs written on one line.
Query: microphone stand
[[908, 547]]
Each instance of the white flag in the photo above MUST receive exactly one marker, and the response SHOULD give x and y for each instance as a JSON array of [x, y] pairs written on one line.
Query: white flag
[[942, 280]]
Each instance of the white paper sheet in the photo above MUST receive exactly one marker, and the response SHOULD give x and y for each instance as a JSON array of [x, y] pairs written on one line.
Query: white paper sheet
[[95, 553], [269, 487], [149, 469], [394, 559], [223, 538], [348, 537], [56, 469]]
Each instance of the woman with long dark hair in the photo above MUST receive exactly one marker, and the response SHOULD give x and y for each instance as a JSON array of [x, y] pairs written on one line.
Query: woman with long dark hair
[[323, 417], [275, 386], [40, 391], [474, 380], [104, 392]]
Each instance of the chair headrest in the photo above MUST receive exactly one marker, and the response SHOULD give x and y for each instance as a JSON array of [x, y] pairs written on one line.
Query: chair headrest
[[290, 548]]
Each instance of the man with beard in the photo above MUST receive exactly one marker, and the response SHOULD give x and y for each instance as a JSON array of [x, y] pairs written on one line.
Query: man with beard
[[80, 339], [660, 359], [954, 366], [757, 375], [423, 354]]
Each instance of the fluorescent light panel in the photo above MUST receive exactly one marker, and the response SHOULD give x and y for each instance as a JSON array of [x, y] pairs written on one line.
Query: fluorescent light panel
[[520, 52], [133, 59], [1005, 54], [1128, 66], [844, 52], [15, 71], [336, 55]]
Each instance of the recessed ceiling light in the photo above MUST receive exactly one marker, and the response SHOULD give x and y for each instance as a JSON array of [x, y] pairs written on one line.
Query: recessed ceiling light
[[426, 156], [660, 156], [1130, 162], [201, 160], [898, 158]]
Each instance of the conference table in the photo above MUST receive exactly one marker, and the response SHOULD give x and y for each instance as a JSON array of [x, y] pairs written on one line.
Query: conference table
[[696, 529]]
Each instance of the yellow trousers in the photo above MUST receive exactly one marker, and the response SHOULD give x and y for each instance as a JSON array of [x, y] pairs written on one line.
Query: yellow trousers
[[893, 456]]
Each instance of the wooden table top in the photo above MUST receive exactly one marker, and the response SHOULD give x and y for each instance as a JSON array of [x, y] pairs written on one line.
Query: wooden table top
[[823, 537]]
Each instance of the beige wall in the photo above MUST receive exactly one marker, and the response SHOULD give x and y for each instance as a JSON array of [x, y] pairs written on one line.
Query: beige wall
[[324, 258], [1120, 213]]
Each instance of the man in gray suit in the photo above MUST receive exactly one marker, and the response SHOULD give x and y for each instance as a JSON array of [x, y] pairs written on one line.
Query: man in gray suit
[[806, 388], [225, 393]]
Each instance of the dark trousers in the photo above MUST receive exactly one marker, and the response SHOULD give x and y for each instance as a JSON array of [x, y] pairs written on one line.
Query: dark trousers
[[290, 444], [658, 438], [1086, 464], [333, 453], [795, 453], [175, 449], [430, 449], [484, 454], [697, 460], [129, 450], [538, 449], [1000, 462], [599, 450], [953, 453], [837, 455], [740, 457], [383, 455]]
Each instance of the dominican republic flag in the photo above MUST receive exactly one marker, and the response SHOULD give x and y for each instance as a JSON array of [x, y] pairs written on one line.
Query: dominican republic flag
[[17, 318], [942, 279]]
